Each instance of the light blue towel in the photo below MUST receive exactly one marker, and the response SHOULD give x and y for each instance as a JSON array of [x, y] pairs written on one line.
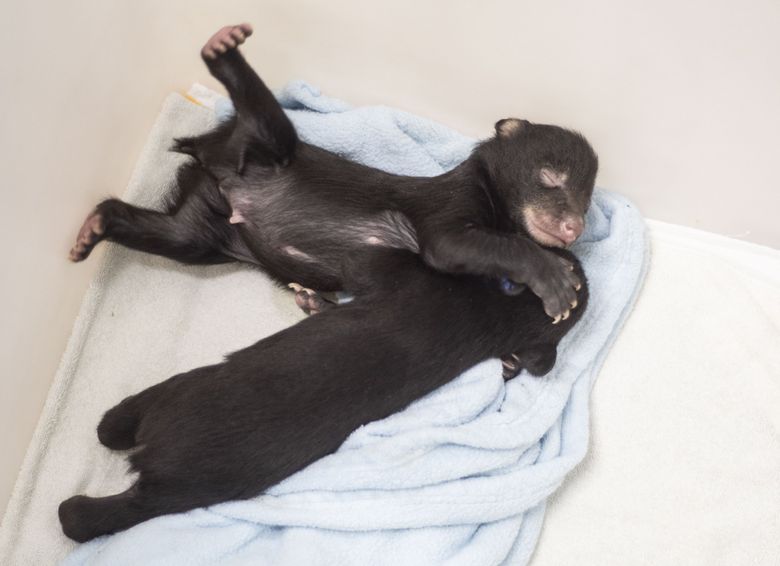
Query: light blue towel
[[459, 477]]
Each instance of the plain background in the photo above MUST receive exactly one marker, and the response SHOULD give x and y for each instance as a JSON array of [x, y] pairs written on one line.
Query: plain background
[[679, 99]]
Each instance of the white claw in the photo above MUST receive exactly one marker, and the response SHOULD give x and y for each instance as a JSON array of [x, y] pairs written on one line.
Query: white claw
[[578, 287], [557, 319], [298, 288], [565, 315], [573, 304]]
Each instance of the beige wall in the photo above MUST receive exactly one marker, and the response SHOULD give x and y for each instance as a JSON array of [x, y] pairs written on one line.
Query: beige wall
[[679, 98]]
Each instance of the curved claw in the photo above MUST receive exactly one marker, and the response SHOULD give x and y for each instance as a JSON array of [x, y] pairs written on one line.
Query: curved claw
[[573, 304], [510, 367], [565, 315], [557, 319], [298, 288]]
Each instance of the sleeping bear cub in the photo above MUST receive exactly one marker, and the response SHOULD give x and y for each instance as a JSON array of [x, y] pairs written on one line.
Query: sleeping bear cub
[[254, 192], [432, 263], [234, 429]]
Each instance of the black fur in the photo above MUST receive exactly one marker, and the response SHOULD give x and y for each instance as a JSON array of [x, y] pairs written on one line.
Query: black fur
[[299, 210], [232, 430]]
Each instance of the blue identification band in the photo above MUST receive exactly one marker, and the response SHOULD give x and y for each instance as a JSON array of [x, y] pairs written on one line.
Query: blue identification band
[[510, 287]]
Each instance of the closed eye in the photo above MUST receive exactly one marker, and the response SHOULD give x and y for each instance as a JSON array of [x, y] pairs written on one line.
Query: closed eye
[[553, 179]]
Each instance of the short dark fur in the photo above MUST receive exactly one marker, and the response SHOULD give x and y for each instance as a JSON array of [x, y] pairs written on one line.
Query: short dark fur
[[298, 210], [232, 430]]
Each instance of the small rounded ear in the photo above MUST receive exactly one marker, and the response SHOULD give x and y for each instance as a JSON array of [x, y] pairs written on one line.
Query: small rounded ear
[[510, 126]]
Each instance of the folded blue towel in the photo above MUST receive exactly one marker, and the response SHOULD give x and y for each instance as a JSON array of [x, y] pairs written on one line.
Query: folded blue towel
[[462, 475]]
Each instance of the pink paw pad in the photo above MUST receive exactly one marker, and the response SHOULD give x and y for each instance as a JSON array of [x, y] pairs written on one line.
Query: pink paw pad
[[308, 301], [227, 38], [91, 233]]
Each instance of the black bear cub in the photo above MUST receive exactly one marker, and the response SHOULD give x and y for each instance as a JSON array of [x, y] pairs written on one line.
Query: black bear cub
[[232, 430]]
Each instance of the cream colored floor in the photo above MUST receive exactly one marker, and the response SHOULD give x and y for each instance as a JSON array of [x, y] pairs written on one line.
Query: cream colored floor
[[684, 453], [679, 100]]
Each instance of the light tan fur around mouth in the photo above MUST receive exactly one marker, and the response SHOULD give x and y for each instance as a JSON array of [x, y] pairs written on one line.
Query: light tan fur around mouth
[[534, 221]]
